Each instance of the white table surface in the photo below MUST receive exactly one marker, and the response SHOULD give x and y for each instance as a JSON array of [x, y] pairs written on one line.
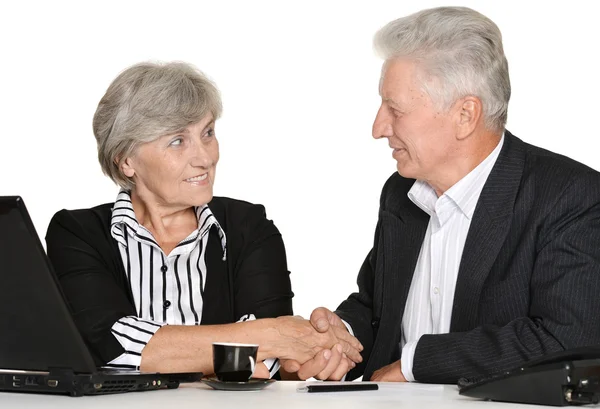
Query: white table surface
[[279, 395]]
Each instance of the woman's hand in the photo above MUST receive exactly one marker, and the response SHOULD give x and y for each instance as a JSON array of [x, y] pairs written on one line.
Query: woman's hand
[[297, 339]]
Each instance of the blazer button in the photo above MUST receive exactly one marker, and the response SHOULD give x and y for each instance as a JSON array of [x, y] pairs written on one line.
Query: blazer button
[[167, 304], [375, 323], [164, 269]]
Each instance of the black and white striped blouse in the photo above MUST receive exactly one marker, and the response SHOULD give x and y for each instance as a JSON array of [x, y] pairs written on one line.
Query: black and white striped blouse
[[167, 289]]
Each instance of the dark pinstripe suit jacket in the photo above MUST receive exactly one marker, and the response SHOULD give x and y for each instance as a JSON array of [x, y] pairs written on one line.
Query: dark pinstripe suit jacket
[[529, 277]]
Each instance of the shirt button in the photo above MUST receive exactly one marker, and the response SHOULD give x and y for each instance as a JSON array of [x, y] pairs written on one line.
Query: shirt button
[[164, 269], [167, 304], [436, 290]]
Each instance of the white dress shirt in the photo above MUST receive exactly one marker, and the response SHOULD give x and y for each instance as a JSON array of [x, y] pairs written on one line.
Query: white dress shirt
[[428, 307]]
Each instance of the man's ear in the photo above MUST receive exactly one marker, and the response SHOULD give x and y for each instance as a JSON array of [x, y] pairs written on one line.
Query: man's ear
[[470, 111], [126, 166]]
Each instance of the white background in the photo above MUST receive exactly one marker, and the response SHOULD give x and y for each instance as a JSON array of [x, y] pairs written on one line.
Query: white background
[[299, 86]]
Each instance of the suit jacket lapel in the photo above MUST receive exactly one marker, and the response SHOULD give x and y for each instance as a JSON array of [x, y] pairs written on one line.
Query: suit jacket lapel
[[218, 302], [402, 240], [489, 227], [402, 232], [217, 305]]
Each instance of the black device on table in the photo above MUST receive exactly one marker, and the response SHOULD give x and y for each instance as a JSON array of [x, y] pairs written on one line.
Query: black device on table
[[566, 378], [41, 349], [339, 386]]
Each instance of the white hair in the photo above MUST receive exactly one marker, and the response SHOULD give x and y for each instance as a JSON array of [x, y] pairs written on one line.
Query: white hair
[[144, 102], [459, 53]]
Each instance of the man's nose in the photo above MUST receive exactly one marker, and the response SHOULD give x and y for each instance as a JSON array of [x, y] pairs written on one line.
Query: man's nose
[[382, 126]]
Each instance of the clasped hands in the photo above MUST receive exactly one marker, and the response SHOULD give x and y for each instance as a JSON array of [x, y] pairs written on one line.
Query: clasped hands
[[326, 351]]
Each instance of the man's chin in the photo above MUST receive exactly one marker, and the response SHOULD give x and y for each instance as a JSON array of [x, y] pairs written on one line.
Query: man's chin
[[405, 171]]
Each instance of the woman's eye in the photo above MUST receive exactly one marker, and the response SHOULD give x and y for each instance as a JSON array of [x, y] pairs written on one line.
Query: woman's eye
[[176, 142], [210, 133]]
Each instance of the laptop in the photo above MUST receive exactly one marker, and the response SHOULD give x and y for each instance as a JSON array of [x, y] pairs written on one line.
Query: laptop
[[41, 349]]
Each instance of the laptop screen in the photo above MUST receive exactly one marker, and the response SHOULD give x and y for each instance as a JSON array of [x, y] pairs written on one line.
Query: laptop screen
[[36, 328]]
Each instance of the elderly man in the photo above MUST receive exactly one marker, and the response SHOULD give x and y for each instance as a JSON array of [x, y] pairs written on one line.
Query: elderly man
[[486, 252]]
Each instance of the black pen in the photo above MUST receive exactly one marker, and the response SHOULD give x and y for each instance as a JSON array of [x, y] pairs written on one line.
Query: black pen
[[337, 387]]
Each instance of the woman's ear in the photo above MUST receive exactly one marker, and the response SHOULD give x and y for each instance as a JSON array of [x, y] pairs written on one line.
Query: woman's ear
[[126, 167]]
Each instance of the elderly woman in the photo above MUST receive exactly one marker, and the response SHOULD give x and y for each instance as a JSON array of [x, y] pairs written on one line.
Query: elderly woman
[[149, 275]]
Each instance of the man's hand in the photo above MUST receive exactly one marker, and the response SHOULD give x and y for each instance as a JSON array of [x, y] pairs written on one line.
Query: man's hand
[[389, 373], [334, 363], [324, 320], [330, 364], [296, 338]]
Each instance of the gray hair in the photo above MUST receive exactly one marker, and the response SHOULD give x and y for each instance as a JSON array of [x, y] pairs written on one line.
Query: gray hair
[[144, 102], [460, 50]]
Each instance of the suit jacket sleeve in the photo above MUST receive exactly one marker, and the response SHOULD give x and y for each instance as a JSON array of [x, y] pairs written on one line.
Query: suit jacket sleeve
[[261, 279], [95, 298], [357, 311], [564, 304]]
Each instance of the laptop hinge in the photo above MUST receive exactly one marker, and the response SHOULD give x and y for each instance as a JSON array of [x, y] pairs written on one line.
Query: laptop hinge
[[65, 378], [60, 371]]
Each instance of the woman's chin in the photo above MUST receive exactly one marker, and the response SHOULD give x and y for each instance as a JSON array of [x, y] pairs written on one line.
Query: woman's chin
[[200, 199]]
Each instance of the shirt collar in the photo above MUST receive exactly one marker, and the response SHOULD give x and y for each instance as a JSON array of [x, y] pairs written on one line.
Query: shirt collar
[[464, 193], [423, 196], [124, 215]]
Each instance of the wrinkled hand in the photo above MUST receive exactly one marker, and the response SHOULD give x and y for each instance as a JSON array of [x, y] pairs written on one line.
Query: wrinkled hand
[[299, 340], [324, 320], [389, 373], [332, 363]]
